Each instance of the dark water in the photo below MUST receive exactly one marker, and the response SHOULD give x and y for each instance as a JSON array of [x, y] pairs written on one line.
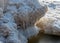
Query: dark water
[[44, 38], [50, 39]]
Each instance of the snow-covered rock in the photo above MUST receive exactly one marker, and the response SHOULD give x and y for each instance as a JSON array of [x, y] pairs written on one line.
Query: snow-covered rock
[[18, 19], [29, 13]]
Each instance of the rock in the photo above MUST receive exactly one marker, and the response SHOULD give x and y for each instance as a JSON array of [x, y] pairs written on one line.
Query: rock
[[29, 12], [1, 12], [2, 39], [19, 17], [12, 9], [3, 4], [50, 24], [31, 31]]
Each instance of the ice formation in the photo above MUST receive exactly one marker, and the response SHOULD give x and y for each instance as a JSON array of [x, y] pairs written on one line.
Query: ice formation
[[17, 19]]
